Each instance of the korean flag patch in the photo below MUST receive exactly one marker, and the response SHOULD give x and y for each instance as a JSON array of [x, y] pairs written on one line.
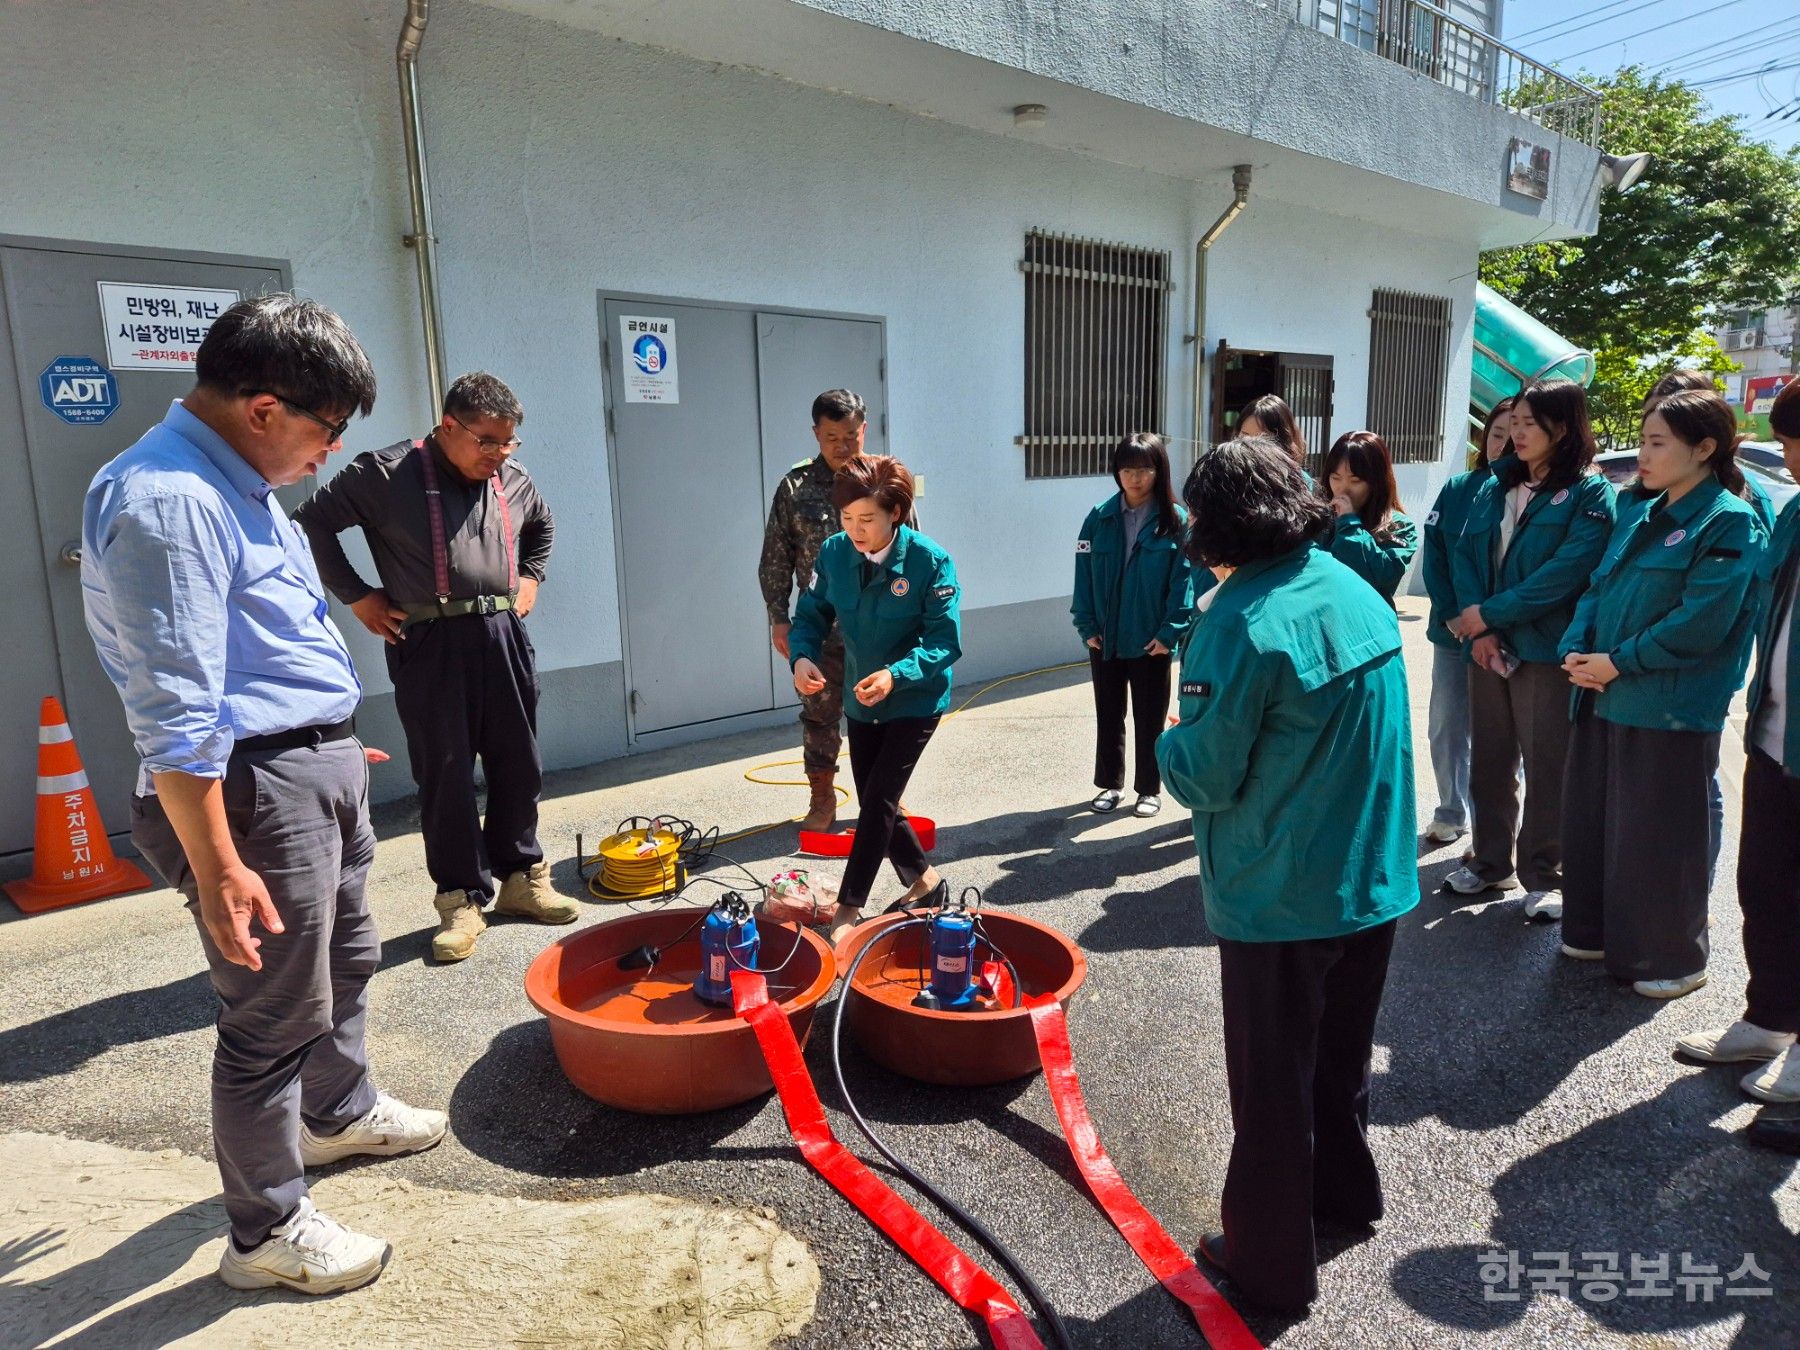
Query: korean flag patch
[[1431, 518], [1084, 545]]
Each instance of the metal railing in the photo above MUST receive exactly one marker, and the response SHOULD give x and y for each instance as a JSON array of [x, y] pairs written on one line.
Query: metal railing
[[1422, 37]]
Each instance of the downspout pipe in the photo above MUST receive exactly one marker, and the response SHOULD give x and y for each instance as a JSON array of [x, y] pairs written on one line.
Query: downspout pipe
[[421, 241], [1240, 198]]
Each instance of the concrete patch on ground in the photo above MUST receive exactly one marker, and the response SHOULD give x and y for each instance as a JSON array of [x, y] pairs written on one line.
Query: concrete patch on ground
[[105, 1246]]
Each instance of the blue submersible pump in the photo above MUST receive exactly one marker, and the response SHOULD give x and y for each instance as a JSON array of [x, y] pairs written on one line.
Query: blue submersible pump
[[728, 940], [953, 987]]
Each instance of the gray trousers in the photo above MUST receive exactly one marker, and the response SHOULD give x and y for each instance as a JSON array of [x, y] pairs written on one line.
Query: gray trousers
[[1635, 836], [1524, 718], [290, 1042]]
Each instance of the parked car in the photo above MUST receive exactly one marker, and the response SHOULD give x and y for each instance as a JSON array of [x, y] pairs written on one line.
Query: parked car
[[1621, 467]]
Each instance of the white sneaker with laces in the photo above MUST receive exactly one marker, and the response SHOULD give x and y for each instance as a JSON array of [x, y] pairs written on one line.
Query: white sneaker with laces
[[1467, 881], [1675, 988], [1543, 905], [390, 1127], [1778, 1081], [1442, 832], [1733, 1044], [311, 1252]]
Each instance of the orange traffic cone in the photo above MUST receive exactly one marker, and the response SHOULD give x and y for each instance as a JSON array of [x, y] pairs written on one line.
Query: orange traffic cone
[[74, 860]]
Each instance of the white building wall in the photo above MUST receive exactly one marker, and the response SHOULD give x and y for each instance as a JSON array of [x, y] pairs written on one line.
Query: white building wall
[[564, 163]]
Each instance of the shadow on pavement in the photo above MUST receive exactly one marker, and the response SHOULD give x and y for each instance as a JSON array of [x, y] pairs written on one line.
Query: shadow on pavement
[[1654, 1182]]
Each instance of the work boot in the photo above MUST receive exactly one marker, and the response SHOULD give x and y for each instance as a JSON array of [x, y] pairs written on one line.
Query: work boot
[[821, 813], [528, 895], [459, 924]]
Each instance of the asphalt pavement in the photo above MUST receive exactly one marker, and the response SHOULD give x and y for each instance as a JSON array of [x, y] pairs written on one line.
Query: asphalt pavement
[[1524, 1103]]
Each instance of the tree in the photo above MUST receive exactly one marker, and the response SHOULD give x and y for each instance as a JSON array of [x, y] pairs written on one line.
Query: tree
[[1712, 226]]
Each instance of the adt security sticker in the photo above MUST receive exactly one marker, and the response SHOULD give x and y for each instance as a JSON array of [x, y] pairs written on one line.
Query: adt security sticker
[[648, 344], [79, 390]]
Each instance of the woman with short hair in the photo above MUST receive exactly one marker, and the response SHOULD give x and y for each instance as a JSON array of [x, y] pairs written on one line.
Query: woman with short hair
[[1294, 753], [894, 596]]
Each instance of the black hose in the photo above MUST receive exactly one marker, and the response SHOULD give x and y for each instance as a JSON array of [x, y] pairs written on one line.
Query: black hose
[[970, 1224]]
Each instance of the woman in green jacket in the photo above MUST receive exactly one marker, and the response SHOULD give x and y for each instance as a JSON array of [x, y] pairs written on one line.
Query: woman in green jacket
[[1294, 753], [1134, 601], [1448, 725], [1658, 646], [894, 596], [1535, 532], [1372, 536]]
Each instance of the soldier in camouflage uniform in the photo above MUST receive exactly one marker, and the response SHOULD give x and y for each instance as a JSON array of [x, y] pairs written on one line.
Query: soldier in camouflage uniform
[[801, 518]]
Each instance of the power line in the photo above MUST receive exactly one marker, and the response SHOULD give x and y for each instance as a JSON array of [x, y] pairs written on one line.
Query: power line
[[1735, 46], [1589, 15], [1751, 74], [1685, 18]]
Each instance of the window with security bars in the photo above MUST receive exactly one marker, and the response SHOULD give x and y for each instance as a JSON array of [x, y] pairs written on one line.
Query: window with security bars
[[1096, 343], [1409, 357]]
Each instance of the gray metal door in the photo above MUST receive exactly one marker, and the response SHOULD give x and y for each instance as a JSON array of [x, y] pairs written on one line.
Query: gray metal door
[[52, 310], [688, 476], [798, 357]]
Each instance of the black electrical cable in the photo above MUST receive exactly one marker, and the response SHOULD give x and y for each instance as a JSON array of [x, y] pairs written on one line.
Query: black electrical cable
[[1058, 1332]]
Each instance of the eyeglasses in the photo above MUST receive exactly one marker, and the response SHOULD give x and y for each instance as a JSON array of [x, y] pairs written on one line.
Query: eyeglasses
[[487, 446], [337, 429]]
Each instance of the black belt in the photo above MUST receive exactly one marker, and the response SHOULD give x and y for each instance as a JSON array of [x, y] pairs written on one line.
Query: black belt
[[299, 736]]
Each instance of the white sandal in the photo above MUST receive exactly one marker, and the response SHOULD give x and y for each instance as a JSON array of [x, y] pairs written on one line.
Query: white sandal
[[1107, 801]]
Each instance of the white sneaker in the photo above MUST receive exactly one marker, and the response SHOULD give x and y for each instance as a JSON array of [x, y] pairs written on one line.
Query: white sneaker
[[1147, 805], [1583, 953], [1442, 832], [389, 1128], [311, 1252], [1675, 988], [1733, 1044], [1467, 881], [1778, 1081], [1543, 905]]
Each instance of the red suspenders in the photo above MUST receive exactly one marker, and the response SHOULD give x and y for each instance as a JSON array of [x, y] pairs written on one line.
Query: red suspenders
[[440, 545]]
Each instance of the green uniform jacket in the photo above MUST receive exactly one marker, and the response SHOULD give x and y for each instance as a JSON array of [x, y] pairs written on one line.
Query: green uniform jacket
[[1783, 551], [1674, 602], [801, 519], [1380, 562], [1294, 752], [906, 618], [1123, 604], [1528, 597], [1443, 526]]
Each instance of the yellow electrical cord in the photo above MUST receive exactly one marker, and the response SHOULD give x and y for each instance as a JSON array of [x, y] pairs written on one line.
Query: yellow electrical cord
[[628, 879]]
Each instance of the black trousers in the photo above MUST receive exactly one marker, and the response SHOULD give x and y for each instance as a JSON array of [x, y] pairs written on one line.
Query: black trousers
[[1147, 679], [1635, 841], [464, 687], [1299, 1030], [883, 756], [1769, 892]]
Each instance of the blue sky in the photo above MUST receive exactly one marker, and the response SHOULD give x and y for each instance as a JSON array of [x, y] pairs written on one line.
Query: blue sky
[[1744, 53]]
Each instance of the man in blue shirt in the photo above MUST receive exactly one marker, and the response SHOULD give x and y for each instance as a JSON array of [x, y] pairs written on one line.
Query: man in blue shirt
[[252, 798]]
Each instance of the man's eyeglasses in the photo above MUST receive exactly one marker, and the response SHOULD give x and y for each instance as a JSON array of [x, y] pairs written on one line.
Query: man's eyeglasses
[[488, 447], [337, 429]]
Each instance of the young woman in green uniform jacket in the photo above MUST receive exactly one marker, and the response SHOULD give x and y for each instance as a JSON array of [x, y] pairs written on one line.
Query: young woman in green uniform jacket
[[895, 598], [1372, 537], [1768, 878], [1448, 720], [1535, 533], [1658, 647], [1133, 602], [1294, 753]]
